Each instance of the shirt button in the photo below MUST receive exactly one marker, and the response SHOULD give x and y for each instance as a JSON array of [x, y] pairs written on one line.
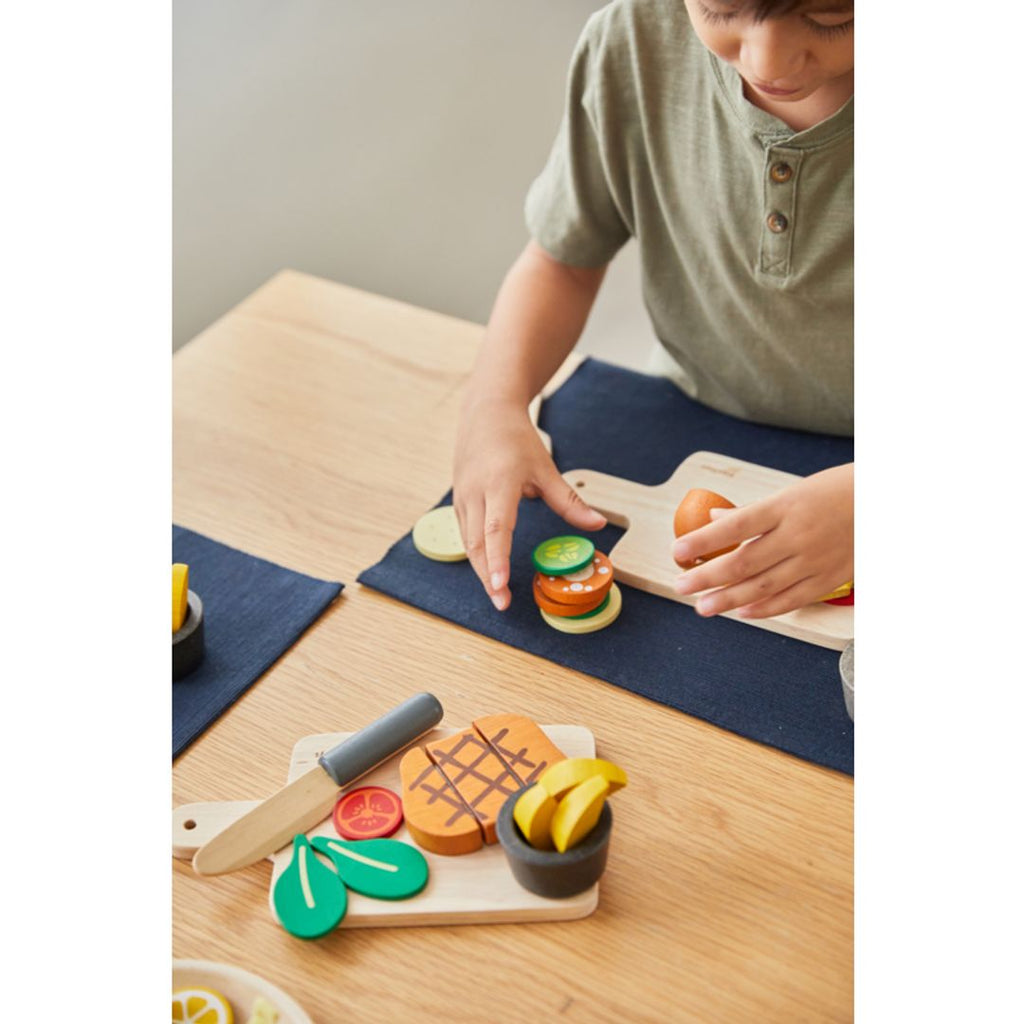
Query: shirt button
[[777, 222], [781, 172]]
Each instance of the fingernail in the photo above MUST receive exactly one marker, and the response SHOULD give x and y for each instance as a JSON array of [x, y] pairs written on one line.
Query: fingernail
[[681, 551], [495, 581], [704, 606], [682, 585]]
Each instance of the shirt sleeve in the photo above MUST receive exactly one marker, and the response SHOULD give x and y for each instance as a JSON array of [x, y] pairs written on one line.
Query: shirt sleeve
[[570, 208]]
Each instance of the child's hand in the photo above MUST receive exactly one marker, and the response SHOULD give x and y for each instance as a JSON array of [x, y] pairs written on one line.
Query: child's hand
[[500, 458], [802, 549]]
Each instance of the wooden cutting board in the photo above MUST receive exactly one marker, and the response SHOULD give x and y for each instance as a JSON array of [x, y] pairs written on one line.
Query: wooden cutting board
[[476, 888], [643, 555]]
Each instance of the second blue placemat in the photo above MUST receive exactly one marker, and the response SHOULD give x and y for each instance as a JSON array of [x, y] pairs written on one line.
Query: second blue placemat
[[253, 611]]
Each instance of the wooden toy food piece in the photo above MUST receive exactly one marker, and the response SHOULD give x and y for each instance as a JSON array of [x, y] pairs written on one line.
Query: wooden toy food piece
[[309, 898], [565, 804], [693, 512], [572, 771], [481, 778], [520, 743], [552, 607], [533, 813], [577, 812], [454, 788], [367, 812], [580, 587], [574, 585], [601, 617], [559, 556], [435, 815], [263, 1012], [200, 1005], [841, 595], [436, 535], [385, 869], [179, 595]]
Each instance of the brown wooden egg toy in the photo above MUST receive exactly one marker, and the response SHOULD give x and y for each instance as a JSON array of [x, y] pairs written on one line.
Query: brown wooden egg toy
[[693, 512]]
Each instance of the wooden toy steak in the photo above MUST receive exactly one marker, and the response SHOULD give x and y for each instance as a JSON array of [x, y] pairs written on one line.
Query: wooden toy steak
[[643, 555]]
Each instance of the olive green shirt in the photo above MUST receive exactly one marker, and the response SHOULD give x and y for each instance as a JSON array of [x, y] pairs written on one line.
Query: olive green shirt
[[744, 227]]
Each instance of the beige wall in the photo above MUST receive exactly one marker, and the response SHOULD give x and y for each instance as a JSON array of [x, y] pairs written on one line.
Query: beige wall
[[385, 144]]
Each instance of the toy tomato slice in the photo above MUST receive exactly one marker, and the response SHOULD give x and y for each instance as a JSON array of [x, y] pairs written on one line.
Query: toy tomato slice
[[369, 812]]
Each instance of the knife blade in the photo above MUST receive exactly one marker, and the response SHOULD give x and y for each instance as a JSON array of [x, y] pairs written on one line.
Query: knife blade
[[309, 799]]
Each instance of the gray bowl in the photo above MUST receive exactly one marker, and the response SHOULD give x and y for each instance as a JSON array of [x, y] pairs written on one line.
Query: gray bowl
[[548, 872], [188, 643]]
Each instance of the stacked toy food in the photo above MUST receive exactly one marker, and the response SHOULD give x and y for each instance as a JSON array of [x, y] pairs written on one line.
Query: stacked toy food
[[574, 586]]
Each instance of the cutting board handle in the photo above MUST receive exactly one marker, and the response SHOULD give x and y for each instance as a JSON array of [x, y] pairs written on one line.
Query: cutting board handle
[[193, 825], [622, 502]]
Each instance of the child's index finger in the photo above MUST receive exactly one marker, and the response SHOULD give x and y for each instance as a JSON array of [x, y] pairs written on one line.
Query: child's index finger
[[499, 523]]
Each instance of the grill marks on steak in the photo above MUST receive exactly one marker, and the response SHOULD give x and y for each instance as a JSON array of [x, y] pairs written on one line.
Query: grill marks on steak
[[465, 778]]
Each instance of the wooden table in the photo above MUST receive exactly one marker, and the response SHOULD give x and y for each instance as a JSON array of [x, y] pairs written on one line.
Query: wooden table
[[313, 424]]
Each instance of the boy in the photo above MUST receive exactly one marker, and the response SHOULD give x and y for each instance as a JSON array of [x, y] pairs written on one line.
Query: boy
[[719, 134]]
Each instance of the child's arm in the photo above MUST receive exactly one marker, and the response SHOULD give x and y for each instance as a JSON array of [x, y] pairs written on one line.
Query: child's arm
[[802, 549], [538, 316]]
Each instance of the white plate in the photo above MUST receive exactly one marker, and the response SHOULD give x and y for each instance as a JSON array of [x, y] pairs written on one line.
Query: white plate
[[239, 987]]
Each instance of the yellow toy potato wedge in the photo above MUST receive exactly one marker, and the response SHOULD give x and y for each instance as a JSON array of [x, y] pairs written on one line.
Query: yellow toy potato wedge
[[533, 813], [564, 775], [179, 595], [578, 811]]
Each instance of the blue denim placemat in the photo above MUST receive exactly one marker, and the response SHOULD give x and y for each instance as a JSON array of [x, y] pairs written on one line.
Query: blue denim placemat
[[253, 611], [770, 688]]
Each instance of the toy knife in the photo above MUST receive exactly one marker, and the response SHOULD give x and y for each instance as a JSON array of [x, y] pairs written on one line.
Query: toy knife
[[308, 800]]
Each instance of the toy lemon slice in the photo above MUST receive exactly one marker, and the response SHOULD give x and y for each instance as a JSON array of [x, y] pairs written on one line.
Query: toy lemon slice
[[562, 555], [199, 1005], [564, 775]]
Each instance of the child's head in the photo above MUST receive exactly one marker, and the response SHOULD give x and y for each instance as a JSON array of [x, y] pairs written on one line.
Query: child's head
[[787, 51]]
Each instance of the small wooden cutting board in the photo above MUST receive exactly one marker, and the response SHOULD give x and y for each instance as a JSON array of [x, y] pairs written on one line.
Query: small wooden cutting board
[[475, 888], [643, 555]]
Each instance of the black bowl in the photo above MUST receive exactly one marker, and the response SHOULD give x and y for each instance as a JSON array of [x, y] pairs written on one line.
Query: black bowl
[[548, 872]]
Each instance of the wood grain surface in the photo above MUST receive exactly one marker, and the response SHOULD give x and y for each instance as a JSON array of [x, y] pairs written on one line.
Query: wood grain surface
[[313, 424]]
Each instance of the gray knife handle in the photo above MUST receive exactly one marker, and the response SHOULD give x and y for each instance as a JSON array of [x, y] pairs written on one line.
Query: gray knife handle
[[364, 750]]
